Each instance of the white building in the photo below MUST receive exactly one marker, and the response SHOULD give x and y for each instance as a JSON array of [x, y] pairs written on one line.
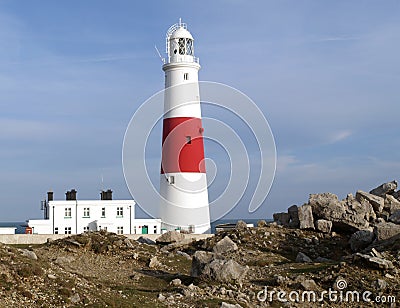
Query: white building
[[73, 216], [7, 230]]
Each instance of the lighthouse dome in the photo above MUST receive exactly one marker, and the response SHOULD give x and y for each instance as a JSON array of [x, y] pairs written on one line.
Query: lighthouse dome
[[181, 32]]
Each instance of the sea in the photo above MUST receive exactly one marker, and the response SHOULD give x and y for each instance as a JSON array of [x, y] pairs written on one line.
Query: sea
[[21, 225]]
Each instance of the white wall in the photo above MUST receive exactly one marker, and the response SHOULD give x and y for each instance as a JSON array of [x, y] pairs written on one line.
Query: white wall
[[7, 230]]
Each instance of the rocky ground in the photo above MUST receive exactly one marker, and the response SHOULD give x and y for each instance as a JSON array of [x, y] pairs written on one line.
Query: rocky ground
[[326, 245]]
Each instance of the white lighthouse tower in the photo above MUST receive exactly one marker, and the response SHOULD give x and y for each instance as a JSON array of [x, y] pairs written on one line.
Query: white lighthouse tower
[[183, 183]]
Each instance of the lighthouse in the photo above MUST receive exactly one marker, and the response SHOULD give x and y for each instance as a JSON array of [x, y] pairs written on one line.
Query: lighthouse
[[183, 182]]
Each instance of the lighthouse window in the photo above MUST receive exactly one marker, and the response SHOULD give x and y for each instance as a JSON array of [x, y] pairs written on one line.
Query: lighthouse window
[[189, 47], [181, 43], [188, 140], [186, 76]]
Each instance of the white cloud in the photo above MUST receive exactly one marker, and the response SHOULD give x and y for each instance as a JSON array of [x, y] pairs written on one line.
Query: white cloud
[[340, 135]]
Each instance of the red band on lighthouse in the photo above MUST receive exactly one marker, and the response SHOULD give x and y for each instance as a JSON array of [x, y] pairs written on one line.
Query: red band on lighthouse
[[182, 145]]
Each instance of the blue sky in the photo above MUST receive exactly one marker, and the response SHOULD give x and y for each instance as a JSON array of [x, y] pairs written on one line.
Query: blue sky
[[72, 73]]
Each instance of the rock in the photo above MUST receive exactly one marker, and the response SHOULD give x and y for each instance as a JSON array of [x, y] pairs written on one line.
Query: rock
[[303, 258], [282, 218], [306, 217], [184, 254], [128, 243], [323, 225], [348, 215], [261, 223], [377, 202], [199, 261], [373, 262], [323, 260], [376, 253], [161, 297], [385, 189], [395, 217], [309, 285], [146, 240], [154, 262], [361, 239], [293, 212], [241, 225], [73, 242], [225, 245], [51, 276], [391, 204], [227, 305], [280, 280], [29, 254], [385, 230], [63, 260], [170, 237], [75, 298], [380, 284], [176, 282], [226, 271]]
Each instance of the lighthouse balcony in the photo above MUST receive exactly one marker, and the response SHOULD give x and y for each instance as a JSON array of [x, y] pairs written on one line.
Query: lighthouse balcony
[[180, 59]]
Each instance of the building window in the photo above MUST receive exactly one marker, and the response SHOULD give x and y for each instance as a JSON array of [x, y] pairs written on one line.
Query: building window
[[85, 229], [188, 139], [186, 76], [120, 212], [171, 179], [120, 230], [103, 212], [155, 229], [56, 230], [67, 230], [134, 230], [86, 212], [67, 212]]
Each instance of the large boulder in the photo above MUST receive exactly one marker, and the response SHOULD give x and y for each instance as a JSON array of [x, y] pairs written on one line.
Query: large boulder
[[374, 262], [306, 217], [170, 237], [361, 239], [208, 266], [199, 261], [348, 215], [293, 212], [391, 204], [395, 217], [386, 230], [323, 225], [384, 189], [226, 271], [241, 225], [326, 206], [225, 245], [282, 218], [377, 202], [303, 258]]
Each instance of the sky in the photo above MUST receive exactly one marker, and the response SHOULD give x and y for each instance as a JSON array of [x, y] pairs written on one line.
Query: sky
[[326, 75]]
